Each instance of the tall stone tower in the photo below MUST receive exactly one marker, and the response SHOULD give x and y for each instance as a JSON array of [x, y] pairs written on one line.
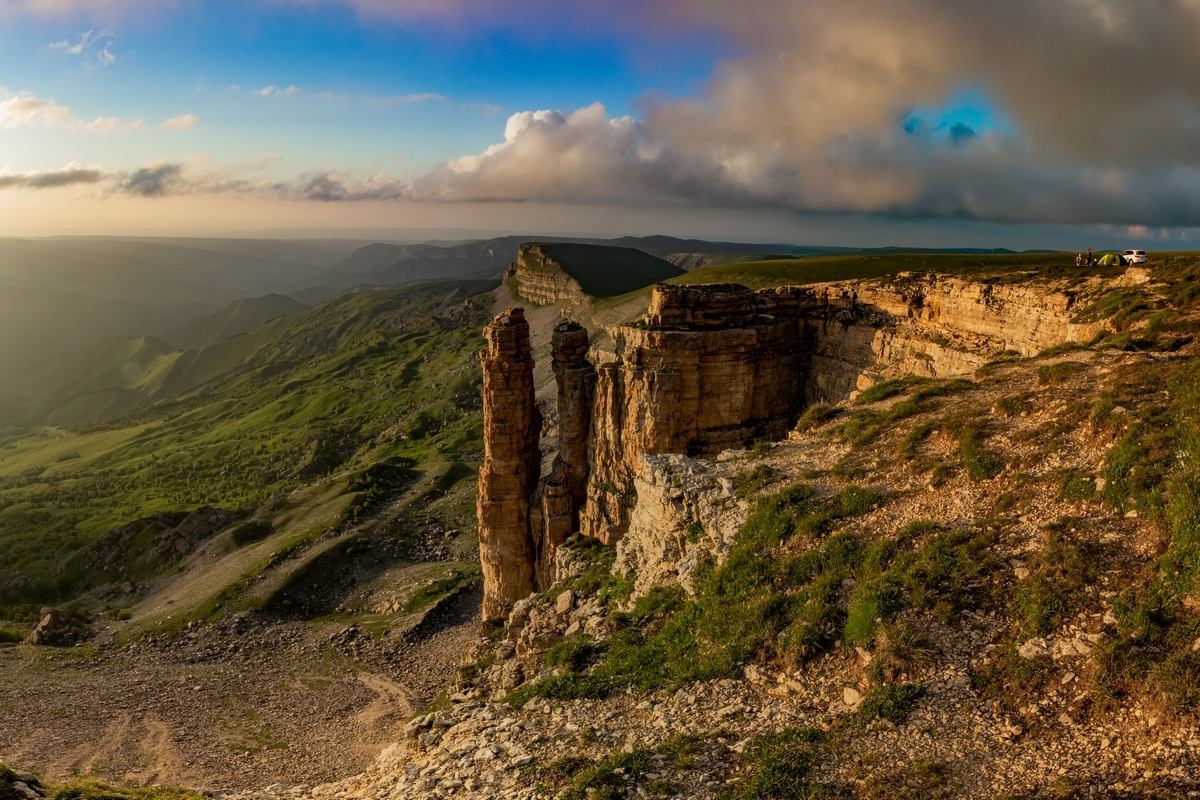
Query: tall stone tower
[[511, 463]]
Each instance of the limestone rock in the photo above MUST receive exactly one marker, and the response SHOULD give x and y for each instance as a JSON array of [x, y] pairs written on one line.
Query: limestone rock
[[511, 463]]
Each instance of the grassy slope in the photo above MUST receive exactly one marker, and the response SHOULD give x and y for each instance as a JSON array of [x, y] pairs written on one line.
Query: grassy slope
[[240, 316], [608, 271], [364, 378]]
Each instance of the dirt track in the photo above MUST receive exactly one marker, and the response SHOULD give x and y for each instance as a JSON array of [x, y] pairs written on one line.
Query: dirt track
[[242, 705]]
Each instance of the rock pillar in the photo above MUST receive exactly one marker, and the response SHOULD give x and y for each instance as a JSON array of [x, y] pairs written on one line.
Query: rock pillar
[[511, 463], [565, 489], [576, 378]]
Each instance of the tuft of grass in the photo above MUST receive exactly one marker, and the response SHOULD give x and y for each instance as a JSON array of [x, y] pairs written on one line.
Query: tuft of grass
[[1042, 601], [749, 484], [886, 389], [980, 464], [779, 765], [680, 750], [1055, 374], [1013, 405], [900, 649], [11, 636], [815, 416], [573, 655], [86, 789], [609, 778], [890, 702], [920, 780]]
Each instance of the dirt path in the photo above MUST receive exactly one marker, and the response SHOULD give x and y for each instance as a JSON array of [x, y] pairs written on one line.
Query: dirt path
[[253, 702]]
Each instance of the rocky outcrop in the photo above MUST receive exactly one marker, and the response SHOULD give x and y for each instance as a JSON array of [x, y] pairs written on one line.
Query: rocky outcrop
[[59, 626], [511, 463], [861, 332], [710, 368], [563, 491], [542, 280]]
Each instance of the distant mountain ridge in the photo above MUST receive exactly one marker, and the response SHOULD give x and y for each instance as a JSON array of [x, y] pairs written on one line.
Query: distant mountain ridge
[[240, 316]]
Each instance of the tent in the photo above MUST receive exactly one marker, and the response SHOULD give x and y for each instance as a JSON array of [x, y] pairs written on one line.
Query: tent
[[1109, 260]]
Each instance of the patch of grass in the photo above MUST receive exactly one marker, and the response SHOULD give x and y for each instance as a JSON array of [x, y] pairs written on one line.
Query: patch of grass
[[459, 580], [815, 416], [1013, 405], [749, 484], [886, 389], [908, 445], [11, 636], [573, 655], [779, 766], [1074, 485], [680, 750], [85, 789], [1043, 600], [866, 425], [892, 702], [900, 650], [978, 461], [919, 780], [1121, 308], [597, 575], [750, 608], [1055, 374], [609, 778]]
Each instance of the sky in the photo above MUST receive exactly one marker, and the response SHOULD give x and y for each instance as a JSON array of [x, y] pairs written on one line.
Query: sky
[[938, 123]]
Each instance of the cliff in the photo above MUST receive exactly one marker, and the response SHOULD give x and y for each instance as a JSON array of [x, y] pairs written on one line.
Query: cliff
[[542, 280], [511, 464], [719, 367]]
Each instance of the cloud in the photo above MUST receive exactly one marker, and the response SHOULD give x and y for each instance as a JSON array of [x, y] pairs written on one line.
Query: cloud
[[275, 91], [70, 175], [87, 46], [404, 99], [106, 124], [1104, 105], [181, 123], [23, 110]]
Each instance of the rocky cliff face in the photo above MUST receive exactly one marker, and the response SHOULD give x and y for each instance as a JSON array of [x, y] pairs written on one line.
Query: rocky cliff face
[[564, 489], [511, 464], [713, 368], [543, 280], [861, 332]]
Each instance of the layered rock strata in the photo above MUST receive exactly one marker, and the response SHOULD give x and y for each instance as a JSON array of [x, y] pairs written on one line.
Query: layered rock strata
[[511, 464], [712, 368], [543, 280], [564, 489]]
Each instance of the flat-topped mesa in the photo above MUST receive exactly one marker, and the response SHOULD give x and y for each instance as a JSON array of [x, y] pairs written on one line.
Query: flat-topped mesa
[[711, 368], [511, 463]]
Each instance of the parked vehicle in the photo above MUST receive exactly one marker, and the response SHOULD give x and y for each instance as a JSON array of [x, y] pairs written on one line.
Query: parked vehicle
[[1133, 257]]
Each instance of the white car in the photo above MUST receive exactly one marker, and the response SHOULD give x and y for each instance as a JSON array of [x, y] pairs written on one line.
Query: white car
[[1133, 257]]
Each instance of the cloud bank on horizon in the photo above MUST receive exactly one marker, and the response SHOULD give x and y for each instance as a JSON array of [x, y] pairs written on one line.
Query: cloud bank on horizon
[[1085, 111]]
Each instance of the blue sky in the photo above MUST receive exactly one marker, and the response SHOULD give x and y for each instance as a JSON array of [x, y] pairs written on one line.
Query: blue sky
[[1028, 123], [350, 93]]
